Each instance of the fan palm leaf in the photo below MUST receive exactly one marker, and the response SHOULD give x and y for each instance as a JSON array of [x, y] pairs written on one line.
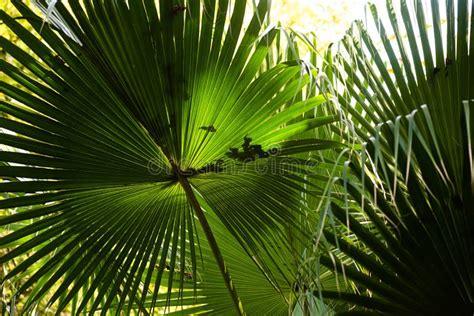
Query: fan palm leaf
[[131, 117], [405, 218]]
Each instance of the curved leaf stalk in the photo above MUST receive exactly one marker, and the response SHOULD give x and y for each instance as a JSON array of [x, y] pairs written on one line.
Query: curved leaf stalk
[[211, 239]]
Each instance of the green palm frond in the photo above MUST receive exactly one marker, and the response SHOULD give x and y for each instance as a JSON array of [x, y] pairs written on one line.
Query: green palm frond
[[414, 236], [402, 215], [132, 118], [422, 57]]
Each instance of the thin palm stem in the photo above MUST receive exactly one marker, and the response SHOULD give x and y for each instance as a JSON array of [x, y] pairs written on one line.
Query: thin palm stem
[[211, 239]]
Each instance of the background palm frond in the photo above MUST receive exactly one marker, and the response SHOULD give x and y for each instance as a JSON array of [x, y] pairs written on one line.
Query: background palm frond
[[402, 228]]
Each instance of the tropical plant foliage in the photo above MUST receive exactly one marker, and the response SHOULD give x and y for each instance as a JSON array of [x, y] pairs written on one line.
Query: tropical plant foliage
[[170, 157], [412, 183], [10, 36], [135, 118]]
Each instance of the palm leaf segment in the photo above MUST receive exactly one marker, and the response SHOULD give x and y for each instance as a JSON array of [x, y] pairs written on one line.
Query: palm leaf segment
[[122, 129], [407, 213]]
